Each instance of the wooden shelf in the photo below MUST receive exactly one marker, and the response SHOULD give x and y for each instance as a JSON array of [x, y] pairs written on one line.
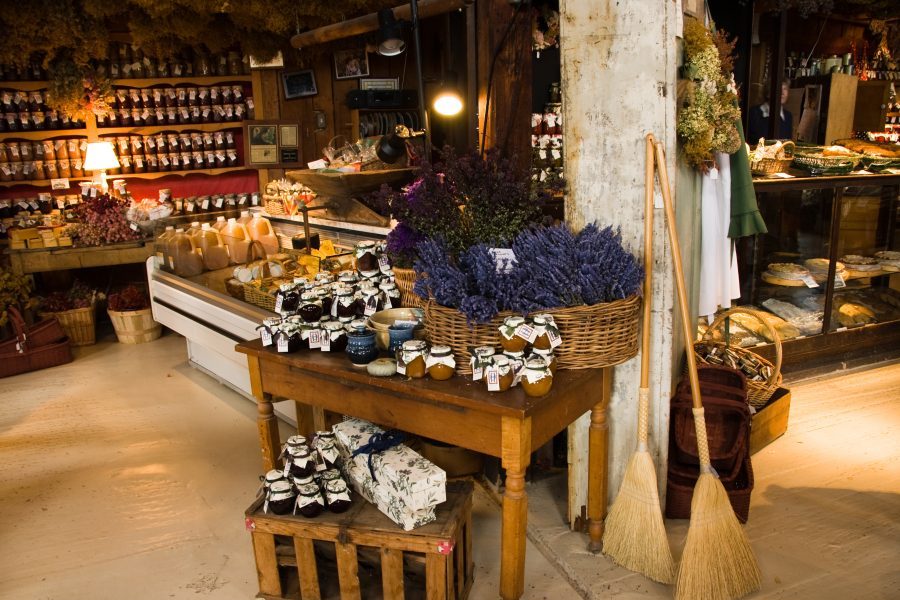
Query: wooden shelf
[[179, 127], [36, 135], [24, 86], [200, 80], [159, 175]]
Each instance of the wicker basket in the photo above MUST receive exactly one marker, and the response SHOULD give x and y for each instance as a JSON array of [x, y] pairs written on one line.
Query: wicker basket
[[275, 208], [79, 323], [777, 164], [680, 492], [257, 297], [595, 336], [819, 164], [405, 280], [758, 392], [135, 326]]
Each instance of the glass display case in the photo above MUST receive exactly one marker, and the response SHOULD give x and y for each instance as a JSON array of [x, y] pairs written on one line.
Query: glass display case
[[827, 273]]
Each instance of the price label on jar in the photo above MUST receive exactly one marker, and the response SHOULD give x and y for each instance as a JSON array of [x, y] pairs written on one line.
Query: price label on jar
[[283, 343], [189, 206], [279, 301], [315, 339], [554, 337], [493, 379], [371, 305], [59, 184], [326, 341], [266, 336], [205, 204], [384, 263], [526, 332], [219, 201]]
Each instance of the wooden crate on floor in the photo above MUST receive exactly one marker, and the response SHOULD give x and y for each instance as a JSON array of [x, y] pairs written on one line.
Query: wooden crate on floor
[[771, 421], [367, 554]]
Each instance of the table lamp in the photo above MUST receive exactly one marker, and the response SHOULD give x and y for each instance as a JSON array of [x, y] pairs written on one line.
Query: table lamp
[[99, 157]]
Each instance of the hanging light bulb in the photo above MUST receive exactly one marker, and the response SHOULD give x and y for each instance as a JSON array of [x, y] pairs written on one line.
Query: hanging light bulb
[[448, 103]]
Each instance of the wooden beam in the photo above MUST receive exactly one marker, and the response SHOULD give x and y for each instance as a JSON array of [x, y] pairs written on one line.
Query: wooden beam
[[369, 22]]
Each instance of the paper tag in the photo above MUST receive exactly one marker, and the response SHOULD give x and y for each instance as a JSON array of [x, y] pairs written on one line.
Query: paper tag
[[93, 192], [315, 339], [60, 203], [279, 301], [317, 164], [839, 281], [326, 341], [401, 366], [493, 379], [34, 205], [555, 339], [219, 201], [133, 226], [371, 305], [542, 153], [189, 206], [556, 154], [810, 282], [59, 184], [384, 263], [504, 259], [205, 204], [526, 332], [477, 370], [714, 173], [282, 343], [266, 336]]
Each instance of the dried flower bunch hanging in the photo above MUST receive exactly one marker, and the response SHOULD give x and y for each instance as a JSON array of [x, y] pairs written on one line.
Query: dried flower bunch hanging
[[553, 268], [544, 28], [708, 115], [78, 91]]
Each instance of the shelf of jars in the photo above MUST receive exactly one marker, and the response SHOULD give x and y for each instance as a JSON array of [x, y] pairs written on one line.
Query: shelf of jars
[[178, 127], [157, 175]]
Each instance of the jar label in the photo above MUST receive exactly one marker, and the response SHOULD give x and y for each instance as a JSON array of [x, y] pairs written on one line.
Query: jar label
[[282, 343], [279, 302], [493, 379], [554, 337], [527, 332], [326, 341], [205, 205], [477, 369], [371, 306], [266, 336], [315, 339]]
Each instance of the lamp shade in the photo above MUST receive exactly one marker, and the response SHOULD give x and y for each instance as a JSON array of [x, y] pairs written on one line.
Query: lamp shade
[[100, 155], [448, 103], [390, 34]]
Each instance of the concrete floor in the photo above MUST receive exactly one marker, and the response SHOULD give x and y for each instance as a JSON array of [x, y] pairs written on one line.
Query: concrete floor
[[126, 474]]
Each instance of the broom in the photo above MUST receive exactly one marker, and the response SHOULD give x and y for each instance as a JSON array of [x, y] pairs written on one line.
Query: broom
[[717, 562], [635, 535]]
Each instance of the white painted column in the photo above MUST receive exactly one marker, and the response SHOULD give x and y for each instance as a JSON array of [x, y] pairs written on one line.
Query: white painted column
[[618, 82]]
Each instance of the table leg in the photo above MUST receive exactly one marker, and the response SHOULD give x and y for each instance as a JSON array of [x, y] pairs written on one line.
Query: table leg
[[266, 423], [598, 456], [515, 454]]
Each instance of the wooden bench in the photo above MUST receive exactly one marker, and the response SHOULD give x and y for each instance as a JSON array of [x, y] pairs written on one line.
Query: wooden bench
[[294, 554]]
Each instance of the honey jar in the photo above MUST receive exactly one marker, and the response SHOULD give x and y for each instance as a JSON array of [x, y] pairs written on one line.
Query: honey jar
[[547, 356], [440, 363], [499, 374], [510, 339], [481, 359], [537, 378], [411, 359]]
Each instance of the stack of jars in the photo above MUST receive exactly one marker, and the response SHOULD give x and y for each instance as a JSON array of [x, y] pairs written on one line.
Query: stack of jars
[[47, 159], [182, 105], [231, 203], [174, 152], [43, 203], [526, 359], [128, 61], [28, 111], [310, 481], [415, 359]]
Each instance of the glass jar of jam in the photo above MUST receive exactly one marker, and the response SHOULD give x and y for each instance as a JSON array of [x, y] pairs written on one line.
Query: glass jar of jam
[[370, 301], [344, 304], [337, 495], [324, 296], [273, 476], [390, 294], [334, 337], [517, 363], [309, 500], [499, 374], [537, 379], [481, 359], [546, 335], [366, 260], [287, 299], [324, 445], [280, 498], [310, 309], [411, 359], [440, 363], [300, 462], [547, 356], [509, 334]]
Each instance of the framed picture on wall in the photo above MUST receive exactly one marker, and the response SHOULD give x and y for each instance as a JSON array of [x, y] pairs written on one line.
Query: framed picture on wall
[[263, 144], [299, 84], [272, 144], [351, 63], [380, 84]]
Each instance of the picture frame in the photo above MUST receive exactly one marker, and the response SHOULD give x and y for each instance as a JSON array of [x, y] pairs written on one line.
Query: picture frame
[[263, 144], [299, 84], [272, 144], [349, 64], [390, 83]]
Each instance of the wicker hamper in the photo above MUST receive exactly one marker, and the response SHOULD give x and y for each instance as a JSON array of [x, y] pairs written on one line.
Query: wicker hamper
[[48, 331], [135, 326], [680, 492], [727, 427], [79, 323]]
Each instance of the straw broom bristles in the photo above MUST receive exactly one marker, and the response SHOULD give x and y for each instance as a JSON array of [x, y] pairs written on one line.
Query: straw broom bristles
[[635, 534], [717, 562]]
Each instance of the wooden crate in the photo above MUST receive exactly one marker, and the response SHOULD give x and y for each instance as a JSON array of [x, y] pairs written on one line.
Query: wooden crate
[[771, 421], [372, 556]]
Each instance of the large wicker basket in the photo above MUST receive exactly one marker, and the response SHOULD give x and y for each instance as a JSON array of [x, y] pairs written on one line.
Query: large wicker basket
[[595, 336], [79, 323], [777, 164], [758, 392], [135, 326]]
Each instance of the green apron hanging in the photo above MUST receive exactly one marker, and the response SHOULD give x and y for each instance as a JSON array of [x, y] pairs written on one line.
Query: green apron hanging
[[745, 217]]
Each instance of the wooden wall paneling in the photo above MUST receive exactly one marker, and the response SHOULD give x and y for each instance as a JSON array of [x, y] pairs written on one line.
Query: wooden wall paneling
[[509, 121], [267, 101]]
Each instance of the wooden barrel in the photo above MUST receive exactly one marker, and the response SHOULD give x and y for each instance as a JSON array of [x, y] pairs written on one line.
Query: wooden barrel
[[135, 326]]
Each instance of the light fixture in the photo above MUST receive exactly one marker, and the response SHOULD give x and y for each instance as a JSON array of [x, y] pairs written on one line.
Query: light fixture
[[391, 34], [99, 157], [448, 103]]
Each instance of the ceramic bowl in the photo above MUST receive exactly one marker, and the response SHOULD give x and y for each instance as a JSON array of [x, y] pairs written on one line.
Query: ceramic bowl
[[381, 322]]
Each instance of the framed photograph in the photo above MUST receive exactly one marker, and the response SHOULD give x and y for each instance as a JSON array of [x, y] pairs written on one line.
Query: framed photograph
[[299, 84], [287, 135], [380, 84], [351, 63], [263, 144]]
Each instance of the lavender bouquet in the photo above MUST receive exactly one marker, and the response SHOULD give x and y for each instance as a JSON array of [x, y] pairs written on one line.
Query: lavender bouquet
[[553, 268]]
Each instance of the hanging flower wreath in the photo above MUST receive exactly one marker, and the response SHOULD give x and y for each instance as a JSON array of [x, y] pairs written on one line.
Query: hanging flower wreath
[[708, 113], [545, 29], [78, 91]]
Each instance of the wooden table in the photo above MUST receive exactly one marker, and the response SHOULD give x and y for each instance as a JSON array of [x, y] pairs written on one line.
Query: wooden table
[[507, 425], [39, 260]]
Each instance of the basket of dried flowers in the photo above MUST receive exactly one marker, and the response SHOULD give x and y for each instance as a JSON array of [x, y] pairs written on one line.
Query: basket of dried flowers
[[587, 282], [74, 310]]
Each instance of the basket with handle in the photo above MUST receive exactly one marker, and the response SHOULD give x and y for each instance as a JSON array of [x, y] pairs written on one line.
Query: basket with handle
[[758, 392], [776, 164], [79, 324]]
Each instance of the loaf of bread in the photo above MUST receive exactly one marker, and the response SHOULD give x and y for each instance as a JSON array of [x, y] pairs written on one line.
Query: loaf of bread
[[836, 151], [870, 148]]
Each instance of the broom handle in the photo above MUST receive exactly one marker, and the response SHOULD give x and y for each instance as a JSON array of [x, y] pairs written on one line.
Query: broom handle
[[644, 391], [699, 420]]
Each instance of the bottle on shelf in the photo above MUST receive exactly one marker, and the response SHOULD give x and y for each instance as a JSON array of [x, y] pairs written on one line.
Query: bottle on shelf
[[213, 248], [220, 223], [237, 239], [183, 256], [162, 244], [261, 230]]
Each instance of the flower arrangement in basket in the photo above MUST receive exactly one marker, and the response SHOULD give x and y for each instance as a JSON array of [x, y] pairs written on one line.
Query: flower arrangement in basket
[[75, 311], [131, 316], [587, 282], [104, 220], [285, 197]]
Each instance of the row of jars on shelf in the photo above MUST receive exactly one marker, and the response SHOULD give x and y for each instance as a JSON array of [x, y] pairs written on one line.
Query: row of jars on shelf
[[48, 120], [177, 96], [185, 115], [127, 61], [174, 152], [310, 481]]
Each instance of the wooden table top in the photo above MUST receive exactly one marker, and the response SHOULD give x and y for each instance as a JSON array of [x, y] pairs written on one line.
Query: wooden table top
[[459, 390]]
